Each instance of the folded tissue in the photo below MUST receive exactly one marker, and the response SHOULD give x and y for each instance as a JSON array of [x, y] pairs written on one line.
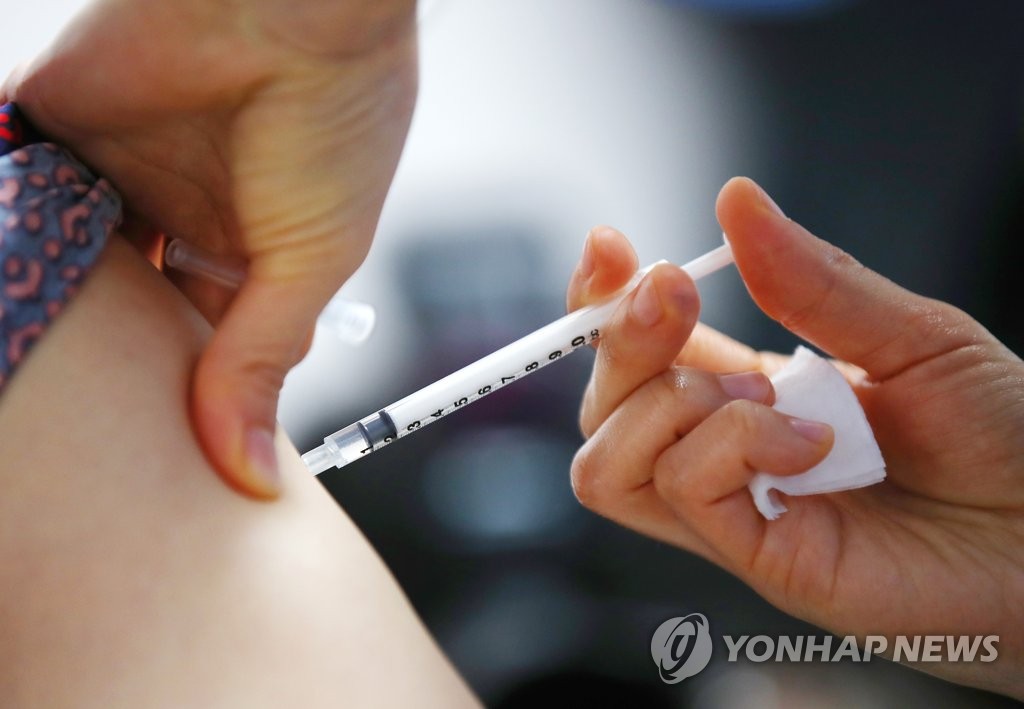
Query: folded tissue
[[810, 387]]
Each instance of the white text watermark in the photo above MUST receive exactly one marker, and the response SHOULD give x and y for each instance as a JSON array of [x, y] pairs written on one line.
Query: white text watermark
[[682, 647]]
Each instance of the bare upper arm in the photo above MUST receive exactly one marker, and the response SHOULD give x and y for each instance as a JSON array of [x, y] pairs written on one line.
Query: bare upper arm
[[132, 577]]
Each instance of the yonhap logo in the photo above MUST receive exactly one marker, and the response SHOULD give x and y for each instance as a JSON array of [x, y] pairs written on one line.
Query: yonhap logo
[[681, 647]]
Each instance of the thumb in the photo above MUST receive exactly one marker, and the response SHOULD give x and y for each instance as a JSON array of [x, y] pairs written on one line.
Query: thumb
[[824, 295], [238, 378]]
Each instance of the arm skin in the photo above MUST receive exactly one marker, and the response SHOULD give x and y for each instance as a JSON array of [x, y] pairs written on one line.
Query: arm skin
[[132, 577], [678, 421]]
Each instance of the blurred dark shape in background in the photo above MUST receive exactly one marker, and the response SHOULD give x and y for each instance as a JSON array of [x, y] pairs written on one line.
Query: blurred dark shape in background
[[891, 128], [896, 131]]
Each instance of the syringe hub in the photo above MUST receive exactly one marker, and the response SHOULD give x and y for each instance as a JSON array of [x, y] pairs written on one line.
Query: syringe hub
[[319, 459], [338, 449]]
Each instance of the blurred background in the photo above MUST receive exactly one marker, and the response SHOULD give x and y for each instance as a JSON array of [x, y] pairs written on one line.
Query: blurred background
[[892, 128]]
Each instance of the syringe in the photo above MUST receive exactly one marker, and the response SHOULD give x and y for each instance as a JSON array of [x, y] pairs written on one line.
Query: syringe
[[510, 363], [348, 320]]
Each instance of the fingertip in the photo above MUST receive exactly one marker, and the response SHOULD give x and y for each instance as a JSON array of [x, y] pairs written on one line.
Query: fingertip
[[614, 260], [733, 195], [806, 444], [745, 211], [745, 189], [607, 263], [236, 435], [609, 237], [752, 386], [815, 432], [262, 467]]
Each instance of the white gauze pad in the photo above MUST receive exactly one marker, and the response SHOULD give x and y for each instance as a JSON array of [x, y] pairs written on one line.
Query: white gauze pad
[[809, 387]]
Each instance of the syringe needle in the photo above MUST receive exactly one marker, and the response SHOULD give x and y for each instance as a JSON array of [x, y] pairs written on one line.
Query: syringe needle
[[348, 320]]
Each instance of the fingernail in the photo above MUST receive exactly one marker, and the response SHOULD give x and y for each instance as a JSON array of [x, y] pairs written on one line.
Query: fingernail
[[262, 456], [587, 260], [769, 202], [681, 295], [646, 306], [811, 430], [753, 386]]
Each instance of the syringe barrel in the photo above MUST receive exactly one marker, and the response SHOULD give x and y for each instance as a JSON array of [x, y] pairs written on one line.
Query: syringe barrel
[[522, 357]]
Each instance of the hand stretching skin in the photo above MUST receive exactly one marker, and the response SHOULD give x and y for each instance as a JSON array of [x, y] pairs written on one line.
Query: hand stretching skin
[[261, 129], [676, 427]]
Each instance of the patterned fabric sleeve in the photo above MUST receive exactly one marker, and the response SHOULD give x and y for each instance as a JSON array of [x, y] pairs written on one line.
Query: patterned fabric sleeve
[[55, 216]]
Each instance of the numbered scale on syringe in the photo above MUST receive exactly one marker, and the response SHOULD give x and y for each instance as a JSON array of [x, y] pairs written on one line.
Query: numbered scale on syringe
[[407, 415]]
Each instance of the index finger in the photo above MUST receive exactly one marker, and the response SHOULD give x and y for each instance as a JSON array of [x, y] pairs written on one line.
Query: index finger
[[714, 351], [607, 264]]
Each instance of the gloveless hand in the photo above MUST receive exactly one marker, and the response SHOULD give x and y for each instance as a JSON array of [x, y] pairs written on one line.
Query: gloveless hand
[[678, 420], [262, 129]]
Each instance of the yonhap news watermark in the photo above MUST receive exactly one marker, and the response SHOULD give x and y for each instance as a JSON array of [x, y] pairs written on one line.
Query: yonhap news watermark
[[681, 647]]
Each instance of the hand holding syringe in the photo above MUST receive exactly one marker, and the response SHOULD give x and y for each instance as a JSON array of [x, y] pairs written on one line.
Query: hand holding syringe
[[512, 362]]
